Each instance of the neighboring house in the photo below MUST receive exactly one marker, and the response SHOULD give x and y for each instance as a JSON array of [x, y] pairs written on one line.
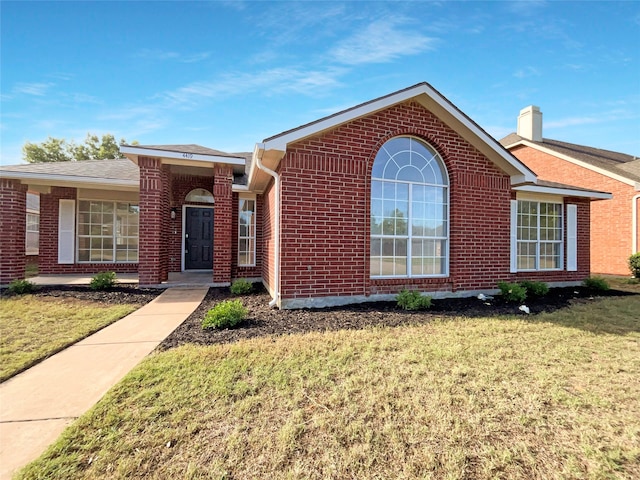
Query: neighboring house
[[615, 223], [404, 191], [32, 235]]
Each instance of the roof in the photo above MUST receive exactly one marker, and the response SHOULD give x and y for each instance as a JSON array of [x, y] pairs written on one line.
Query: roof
[[115, 169], [190, 148], [272, 149], [617, 163]]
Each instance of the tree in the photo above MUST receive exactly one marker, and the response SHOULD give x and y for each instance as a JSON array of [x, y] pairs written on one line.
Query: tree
[[59, 150]]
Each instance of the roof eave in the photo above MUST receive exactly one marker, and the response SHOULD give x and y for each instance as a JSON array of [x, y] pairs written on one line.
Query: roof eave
[[52, 180], [564, 191]]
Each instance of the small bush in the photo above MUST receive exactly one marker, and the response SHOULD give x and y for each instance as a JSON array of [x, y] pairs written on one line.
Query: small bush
[[634, 264], [103, 281], [241, 287], [412, 300], [225, 314], [535, 289], [512, 292], [598, 284], [20, 287]]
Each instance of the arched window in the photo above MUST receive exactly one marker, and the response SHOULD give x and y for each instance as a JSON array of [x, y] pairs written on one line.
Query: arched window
[[199, 195], [409, 211]]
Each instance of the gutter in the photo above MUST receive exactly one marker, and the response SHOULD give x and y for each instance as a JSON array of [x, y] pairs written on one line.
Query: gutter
[[276, 296], [634, 225]]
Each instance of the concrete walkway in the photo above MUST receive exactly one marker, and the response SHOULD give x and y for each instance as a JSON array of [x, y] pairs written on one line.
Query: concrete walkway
[[36, 405]]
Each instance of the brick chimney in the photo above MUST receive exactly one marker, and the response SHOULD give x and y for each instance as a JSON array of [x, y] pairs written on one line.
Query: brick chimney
[[530, 123]]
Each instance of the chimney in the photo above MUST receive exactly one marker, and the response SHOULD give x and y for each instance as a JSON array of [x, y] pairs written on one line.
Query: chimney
[[530, 123]]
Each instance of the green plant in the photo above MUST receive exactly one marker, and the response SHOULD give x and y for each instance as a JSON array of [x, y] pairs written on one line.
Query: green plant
[[413, 300], [241, 286], [225, 314], [596, 283], [634, 264], [535, 289], [20, 287], [512, 292], [103, 281]]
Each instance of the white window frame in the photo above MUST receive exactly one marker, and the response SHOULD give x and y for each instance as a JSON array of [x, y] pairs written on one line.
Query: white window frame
[[113, 235], [409, 236], [538, 241], [252, 229], [32, 233]]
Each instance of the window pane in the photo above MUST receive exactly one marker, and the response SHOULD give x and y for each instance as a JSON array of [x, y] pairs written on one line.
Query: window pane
[[403, 193]]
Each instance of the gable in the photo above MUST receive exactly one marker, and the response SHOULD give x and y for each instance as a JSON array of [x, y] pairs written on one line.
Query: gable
[[273, 149]]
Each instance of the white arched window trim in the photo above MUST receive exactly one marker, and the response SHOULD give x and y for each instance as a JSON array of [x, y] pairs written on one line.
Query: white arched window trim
[[409, 211], [199, 195]]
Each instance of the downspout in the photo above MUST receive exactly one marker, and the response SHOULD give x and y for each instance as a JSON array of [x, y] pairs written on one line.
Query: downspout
[[276, 266], [634, 225]]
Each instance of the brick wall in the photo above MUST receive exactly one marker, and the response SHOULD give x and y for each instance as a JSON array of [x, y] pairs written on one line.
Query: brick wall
[[268, 238], [222, 223], [326, 210], [611, 225], [154, 210], [13, 198]]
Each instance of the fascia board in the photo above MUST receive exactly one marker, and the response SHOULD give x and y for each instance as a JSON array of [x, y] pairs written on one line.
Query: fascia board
[[580, 163], [565, 192], [70, 180], [182, 156]]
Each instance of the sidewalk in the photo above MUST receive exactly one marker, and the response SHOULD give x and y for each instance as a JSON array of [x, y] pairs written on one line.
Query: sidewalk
[[36, 405]]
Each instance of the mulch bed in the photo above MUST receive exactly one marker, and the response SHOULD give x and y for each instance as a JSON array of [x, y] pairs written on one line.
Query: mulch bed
[[113, 296], [263, 320]]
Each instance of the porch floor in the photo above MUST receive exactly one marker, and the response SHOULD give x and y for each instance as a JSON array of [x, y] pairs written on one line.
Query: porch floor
[[176, 279]]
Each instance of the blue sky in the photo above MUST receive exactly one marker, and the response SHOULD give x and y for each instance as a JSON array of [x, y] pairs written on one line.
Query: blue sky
[[228, 74]]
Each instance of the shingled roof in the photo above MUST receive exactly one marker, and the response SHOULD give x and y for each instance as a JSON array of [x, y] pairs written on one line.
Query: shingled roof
[[115, 169], [627, 166]]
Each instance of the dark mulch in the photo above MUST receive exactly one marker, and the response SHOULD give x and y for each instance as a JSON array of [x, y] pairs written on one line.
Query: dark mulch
[[263, 320], [113, 296]]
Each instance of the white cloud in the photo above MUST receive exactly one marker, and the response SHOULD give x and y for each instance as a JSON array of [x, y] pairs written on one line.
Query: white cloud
[[269, 82], [380, 42], [35, 88]]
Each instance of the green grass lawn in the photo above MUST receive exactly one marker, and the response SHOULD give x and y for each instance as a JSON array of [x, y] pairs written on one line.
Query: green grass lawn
[[33, 328], [554, 396]]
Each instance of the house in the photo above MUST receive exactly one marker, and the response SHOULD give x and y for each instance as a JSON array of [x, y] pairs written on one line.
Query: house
[[404, 191], [615, 223]]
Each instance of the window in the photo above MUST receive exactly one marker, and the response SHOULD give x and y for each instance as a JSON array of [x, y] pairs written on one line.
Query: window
[[246, 232], [32, 239], [409, 211], [107, 231], [539, 235]]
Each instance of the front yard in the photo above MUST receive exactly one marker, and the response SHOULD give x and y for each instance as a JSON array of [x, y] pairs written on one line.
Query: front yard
[[34, 327], [555, 395]]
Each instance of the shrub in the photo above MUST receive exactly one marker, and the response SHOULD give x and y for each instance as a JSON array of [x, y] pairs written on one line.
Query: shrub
[[596, 283], [535, 289], [512, 292], [20, 287], [103, 281], [412, 300], [241, 286], [634, 264], [225, 314]]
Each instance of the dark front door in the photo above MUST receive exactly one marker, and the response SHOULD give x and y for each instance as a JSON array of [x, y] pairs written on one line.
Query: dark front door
[[198, 239]]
